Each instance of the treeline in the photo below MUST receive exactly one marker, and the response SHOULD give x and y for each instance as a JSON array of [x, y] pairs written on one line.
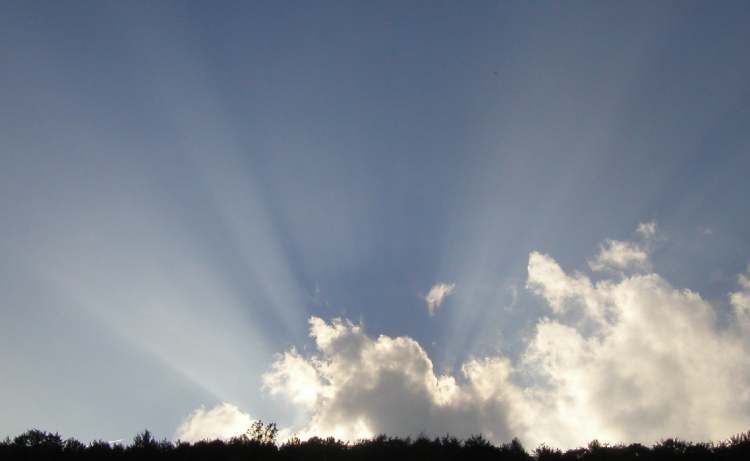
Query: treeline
[[260, 444]]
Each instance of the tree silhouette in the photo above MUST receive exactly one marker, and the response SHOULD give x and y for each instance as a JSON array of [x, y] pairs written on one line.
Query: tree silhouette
[[260, 443], [262, 433]]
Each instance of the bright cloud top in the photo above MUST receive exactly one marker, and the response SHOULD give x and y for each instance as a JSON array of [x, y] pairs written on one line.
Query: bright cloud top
[[614, 254], [630, 358], [653, 366], [360, 386], [617, 255], [221, 422], [437, 295]]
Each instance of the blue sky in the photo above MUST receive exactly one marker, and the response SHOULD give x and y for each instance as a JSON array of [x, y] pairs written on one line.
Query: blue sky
[[183, 185]]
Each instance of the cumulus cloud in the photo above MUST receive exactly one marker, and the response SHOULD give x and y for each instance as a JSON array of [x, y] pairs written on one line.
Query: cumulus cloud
[[293, 376], [562, 292], [364, 386], [629, 358], [221, 422], [655, 366], [437, 294], [619, 255]]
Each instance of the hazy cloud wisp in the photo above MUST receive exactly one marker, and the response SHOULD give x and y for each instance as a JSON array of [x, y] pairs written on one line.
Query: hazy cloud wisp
[[437, 294]]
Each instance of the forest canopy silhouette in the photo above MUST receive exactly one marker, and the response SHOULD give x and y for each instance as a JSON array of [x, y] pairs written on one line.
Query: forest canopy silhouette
[[260, 442]]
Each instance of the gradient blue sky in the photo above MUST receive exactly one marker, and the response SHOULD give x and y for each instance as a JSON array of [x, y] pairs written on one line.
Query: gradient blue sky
[[183, 184]]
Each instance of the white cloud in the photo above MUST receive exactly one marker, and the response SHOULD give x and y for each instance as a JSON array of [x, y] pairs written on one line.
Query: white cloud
[[292, 375], [563, 292], [224, 421], [365, 386], [619, 255], [647, 229], [437, 295], [640, 360], [655, 367], [740, 299]]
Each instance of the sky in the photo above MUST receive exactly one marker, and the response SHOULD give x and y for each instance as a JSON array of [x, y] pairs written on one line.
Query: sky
[[526, 219]]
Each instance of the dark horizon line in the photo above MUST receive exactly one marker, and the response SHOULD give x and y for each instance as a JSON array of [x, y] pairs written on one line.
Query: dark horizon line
[[260, 442]]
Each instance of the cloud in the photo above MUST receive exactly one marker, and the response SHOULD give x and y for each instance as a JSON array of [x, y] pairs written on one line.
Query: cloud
[[364, 386], [619, 255], [654, 366], [224, 421], [627, 358], [740, 299], [513, 290], [293, 376], [437, 295], [561, 291], [647, 229]]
